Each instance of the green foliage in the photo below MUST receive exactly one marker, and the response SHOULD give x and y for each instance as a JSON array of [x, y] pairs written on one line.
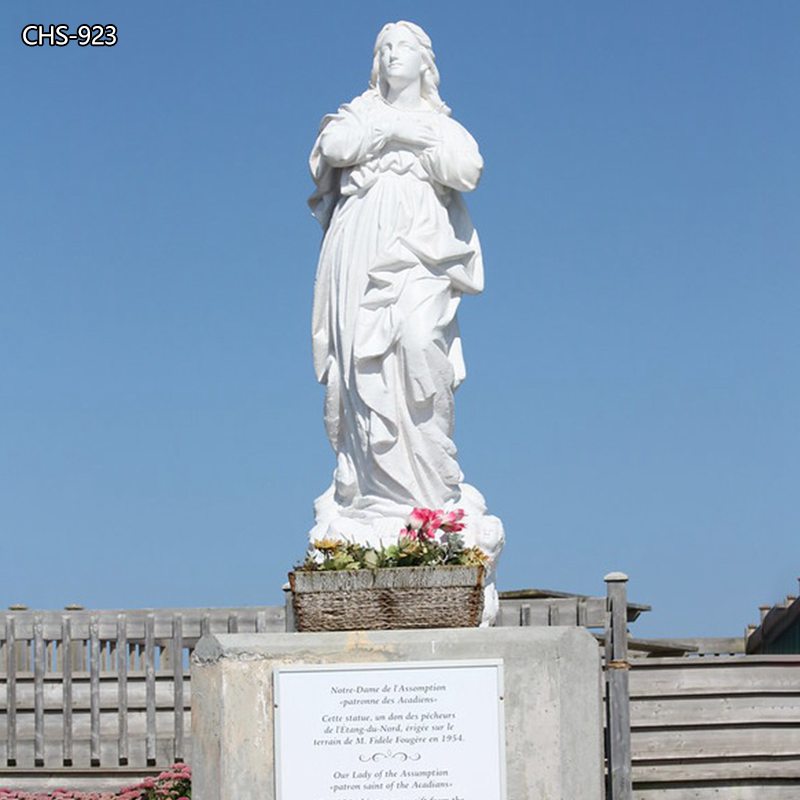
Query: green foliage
[[409, 551]]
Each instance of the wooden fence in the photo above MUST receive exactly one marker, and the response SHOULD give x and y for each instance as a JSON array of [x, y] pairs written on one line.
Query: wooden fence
[[724, 727], [96, 699]]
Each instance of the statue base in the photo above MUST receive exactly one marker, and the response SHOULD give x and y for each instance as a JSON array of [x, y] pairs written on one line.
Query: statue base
[[502, 713]]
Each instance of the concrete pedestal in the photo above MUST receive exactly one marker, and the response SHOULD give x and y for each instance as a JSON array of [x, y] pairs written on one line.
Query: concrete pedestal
[[552, 703]]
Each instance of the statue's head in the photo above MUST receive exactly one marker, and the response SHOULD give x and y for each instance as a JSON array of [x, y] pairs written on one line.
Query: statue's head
[[403, 52]]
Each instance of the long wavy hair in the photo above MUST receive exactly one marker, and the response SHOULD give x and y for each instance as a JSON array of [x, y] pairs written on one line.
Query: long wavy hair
[[429, 87]]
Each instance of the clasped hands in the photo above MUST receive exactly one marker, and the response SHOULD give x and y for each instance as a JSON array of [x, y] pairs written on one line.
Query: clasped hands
[[415, 131]]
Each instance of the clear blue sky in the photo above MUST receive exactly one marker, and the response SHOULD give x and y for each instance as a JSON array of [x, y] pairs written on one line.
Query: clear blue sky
[[634, 363]]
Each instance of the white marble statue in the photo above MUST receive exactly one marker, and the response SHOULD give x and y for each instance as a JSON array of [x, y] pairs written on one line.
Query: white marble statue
[[399, 251]]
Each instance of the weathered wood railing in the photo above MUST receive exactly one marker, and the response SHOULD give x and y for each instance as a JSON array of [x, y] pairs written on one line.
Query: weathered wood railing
[[716, 727], [98, 698], [102, 694]]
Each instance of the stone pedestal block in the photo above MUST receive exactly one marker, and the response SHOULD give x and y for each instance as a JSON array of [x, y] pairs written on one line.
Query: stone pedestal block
[[550, 704]]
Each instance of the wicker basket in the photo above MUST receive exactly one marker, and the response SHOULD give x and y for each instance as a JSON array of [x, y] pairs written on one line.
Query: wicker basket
[[383, 599]]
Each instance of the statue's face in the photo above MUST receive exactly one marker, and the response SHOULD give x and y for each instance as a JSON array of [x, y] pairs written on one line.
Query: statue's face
[[400, 58]]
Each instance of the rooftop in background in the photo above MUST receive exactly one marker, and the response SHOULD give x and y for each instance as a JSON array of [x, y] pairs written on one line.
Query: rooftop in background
[[779, 631]]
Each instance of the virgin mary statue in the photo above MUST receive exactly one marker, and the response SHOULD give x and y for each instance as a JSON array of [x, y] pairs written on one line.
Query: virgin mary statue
[[399, 250]]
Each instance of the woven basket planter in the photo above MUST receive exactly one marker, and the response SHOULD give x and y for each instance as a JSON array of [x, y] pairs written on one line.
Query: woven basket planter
[[385, 599]]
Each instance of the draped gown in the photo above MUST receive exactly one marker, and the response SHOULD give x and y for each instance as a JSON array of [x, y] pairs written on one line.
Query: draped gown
[[399, 251]]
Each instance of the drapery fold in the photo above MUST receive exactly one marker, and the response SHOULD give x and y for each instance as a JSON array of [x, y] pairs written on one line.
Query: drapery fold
[[399, 251]]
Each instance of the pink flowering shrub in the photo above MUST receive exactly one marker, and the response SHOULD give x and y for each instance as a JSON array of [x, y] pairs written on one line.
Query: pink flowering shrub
[[174, 784]]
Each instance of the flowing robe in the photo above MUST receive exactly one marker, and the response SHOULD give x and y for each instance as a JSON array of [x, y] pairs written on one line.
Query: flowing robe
[[398, 253]]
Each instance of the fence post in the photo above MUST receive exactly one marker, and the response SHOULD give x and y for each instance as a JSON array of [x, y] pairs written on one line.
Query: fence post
[[291, 626], [11, 693], [177, 683], [94, 690], [38, 691], [150, 689], [123, 656], [617, 688], [66, 688]]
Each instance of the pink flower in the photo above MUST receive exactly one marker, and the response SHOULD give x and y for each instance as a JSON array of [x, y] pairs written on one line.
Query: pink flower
[[452, 521], [425, 521], [417, 518]]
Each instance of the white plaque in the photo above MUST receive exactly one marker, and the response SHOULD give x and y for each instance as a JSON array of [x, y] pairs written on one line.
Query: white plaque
[[413, 731]]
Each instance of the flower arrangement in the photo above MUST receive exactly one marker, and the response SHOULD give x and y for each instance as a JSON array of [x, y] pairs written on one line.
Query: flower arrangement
[[174, 784], [430, 538]]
